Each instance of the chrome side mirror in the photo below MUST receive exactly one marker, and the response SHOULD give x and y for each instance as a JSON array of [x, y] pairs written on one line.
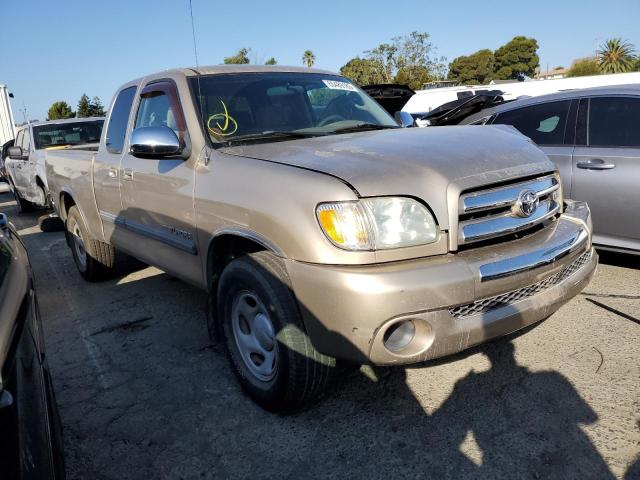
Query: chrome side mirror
[[16, 153], [404, 119], [155, 142]]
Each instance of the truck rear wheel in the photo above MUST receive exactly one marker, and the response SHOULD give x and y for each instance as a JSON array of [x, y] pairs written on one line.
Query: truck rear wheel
[[265, 337], [94, 259], [24, 206]]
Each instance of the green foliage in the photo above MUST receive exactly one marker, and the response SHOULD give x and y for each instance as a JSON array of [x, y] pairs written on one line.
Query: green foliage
[[407, 60], [60, 110], [90, 108], [83, 106], [363, 71], [476, 68], [240, 58], [517, 59], [96, 109], [413, 77], [271, 61], [584, 67], [308, 58], [616, 56]]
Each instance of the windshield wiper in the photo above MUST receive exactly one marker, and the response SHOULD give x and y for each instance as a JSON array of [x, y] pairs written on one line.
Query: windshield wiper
[[362, 127], [273, 134]]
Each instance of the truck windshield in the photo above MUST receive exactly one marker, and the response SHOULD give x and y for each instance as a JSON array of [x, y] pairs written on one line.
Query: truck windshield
[[67, 134], [280, 105]]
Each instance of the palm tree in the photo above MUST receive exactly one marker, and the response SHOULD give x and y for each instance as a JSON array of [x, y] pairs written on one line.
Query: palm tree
[[308, 58], [616, 56]]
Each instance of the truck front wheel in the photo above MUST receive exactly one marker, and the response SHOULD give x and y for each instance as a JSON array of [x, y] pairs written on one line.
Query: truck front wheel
[[94, 259], [265, 337]]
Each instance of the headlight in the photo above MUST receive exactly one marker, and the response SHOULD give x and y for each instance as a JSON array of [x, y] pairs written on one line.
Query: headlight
[[377, 223]]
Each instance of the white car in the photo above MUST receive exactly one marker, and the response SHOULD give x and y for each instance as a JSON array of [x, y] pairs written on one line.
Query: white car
[[25, 164]]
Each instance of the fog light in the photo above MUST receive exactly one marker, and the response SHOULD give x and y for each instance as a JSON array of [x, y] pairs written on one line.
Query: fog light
[[399, 335]]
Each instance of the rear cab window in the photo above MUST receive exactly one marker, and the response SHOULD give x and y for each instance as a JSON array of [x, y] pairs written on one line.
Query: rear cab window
[[545, 123], [614, 122]]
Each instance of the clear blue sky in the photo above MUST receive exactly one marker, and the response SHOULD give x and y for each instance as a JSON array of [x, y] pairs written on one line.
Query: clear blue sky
[[58, 49]]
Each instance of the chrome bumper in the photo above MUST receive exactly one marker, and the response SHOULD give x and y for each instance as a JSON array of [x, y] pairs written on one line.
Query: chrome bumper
[[455, 301]]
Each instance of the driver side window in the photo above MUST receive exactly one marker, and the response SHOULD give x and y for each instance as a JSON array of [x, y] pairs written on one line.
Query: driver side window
[[159, 107], [155, 111]]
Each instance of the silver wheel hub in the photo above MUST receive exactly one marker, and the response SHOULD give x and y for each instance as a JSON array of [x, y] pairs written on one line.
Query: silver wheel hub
[[254, 335], [78, 245]]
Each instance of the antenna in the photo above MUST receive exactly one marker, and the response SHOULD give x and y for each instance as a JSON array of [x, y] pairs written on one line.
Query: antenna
[[195, 53], [193, 33]]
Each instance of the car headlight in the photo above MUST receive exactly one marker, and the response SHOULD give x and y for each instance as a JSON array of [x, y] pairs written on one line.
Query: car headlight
[[377, 223]]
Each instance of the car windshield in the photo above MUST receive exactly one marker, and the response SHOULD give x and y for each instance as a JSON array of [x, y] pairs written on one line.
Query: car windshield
[[67, 134], [271, 106]]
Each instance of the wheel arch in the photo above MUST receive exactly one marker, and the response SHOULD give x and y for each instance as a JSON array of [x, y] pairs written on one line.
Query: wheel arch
[[223, 247]]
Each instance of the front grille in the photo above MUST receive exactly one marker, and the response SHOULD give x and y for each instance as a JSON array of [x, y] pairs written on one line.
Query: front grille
[[486, 304], [493, 213]]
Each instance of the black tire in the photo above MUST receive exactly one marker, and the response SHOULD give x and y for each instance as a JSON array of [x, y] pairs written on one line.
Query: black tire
[[24, 206], [99, 260], [301, 373], [51, 223]]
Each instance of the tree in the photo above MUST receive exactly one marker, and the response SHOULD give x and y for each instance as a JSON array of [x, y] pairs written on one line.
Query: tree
[[517, 59], [59, 110], [308, 58], [413, 77], [271, 61], [363, 71], [240, 58], [411, 54], [95, 108], [616, 56], [584, 67], [475, 68], [83, 106]]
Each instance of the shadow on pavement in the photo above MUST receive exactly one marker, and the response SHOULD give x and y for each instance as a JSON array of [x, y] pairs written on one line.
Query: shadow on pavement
[[163, 406]]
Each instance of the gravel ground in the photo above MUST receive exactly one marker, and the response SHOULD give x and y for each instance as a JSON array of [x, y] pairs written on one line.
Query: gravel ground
[[143, 394]]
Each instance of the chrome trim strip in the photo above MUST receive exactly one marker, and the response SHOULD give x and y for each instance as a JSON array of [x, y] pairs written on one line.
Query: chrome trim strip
[[505, 196], [496, 226], [538, 258], [160, 235]]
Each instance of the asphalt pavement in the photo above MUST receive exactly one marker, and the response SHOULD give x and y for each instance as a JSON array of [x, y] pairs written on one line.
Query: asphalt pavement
[[143, 394]]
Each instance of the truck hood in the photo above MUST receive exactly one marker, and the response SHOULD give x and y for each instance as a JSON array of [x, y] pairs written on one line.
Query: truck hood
[[434, 164]]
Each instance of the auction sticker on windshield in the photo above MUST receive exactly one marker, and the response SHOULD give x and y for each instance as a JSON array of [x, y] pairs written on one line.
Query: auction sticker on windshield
[[337, 85]]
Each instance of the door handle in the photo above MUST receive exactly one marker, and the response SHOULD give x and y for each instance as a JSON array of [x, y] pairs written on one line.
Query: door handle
[[127, 174], [595, 164], [113, 172]]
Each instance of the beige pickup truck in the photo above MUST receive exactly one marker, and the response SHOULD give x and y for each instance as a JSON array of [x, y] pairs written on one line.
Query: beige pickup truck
[[321, 229]]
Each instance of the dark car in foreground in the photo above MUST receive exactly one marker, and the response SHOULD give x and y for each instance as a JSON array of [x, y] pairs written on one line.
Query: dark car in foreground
[[30, 431], [593, 137]]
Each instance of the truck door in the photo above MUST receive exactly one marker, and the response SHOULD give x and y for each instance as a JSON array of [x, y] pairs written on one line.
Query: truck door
[[106, 168], [157, 194], [14, 167], [28, 170], [607, 169]]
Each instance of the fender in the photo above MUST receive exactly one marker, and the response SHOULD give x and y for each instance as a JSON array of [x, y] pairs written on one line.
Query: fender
[[250, 235], [63, 216]]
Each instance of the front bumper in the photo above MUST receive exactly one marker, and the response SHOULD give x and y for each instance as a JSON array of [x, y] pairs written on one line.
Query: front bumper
[[455, 301]]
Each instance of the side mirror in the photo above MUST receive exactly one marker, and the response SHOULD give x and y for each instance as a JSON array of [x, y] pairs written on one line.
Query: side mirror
[[154, 142], [404, 119], [16, 153]]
